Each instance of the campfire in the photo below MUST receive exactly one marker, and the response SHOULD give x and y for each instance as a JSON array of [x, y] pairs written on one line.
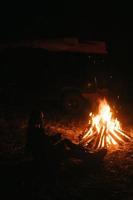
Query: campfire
[[104, 130]]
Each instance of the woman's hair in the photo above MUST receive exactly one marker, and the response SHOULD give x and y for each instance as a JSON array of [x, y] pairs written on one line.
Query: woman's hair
[[36, 118]]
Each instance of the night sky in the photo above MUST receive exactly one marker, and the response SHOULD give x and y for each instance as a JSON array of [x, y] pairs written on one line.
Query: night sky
[[53, 19]]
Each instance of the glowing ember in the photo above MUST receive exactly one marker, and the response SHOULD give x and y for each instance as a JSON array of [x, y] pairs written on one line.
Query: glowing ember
[[103, 130]]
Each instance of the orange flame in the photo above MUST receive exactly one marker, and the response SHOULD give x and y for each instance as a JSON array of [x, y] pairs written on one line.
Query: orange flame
[[103, 129]]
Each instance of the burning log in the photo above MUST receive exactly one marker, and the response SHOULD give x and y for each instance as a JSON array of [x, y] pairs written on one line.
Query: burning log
[[103, 130]]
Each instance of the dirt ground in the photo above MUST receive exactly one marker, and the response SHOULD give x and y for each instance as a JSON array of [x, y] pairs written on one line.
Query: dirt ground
[[22, 177]]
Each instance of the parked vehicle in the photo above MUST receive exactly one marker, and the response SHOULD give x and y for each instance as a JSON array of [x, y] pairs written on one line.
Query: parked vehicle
[[62, 72]]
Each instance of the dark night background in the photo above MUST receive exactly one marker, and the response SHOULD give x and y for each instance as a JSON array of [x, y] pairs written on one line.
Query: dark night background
[[107, 22], [91, 21]]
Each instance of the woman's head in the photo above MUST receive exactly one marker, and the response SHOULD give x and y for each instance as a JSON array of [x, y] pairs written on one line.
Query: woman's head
[[36, 119]]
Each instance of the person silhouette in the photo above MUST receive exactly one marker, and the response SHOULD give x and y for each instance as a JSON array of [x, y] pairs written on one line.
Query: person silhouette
[[35, 143], [40, 145]]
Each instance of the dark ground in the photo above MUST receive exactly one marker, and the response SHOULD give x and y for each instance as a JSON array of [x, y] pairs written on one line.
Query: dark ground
[[22, 176]]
